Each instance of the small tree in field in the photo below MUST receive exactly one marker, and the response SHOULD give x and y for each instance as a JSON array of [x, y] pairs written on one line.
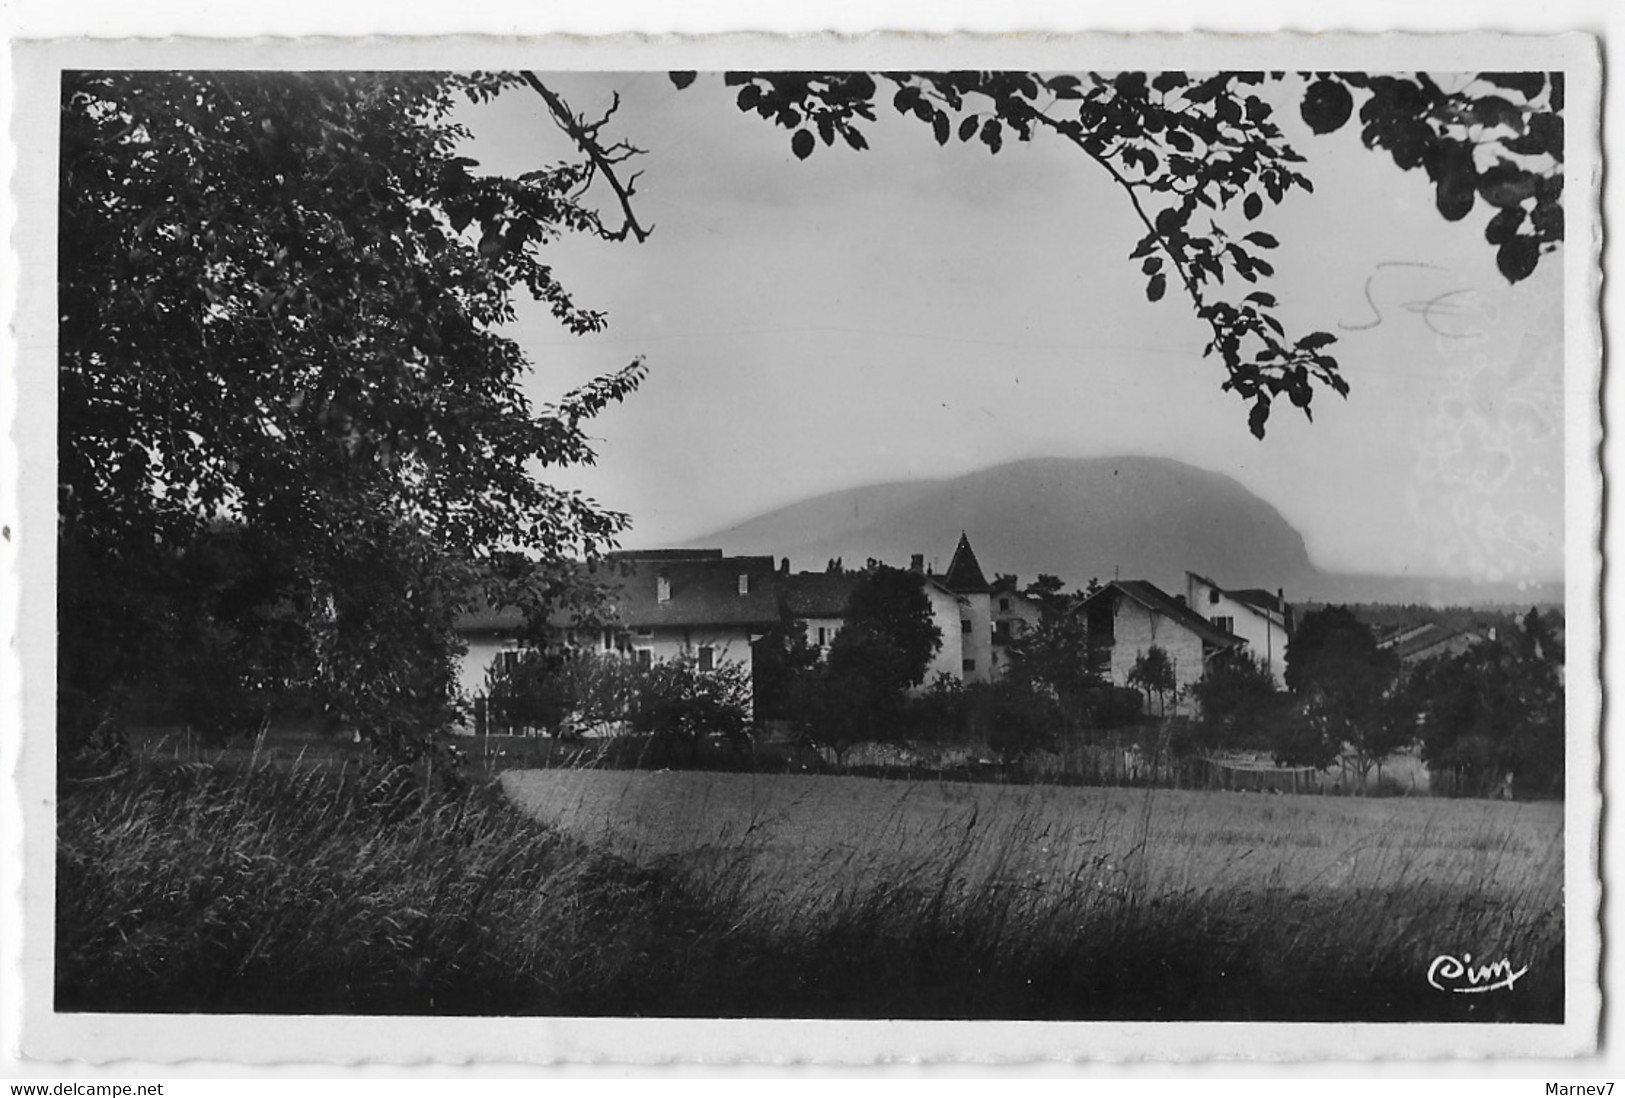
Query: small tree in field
[[1237, 698], [888, 636], [1153, 675], [1055, 655], [1495, 709], [676, 701], [1346, 691], [560, 692], [883, 650], [1013, 718]]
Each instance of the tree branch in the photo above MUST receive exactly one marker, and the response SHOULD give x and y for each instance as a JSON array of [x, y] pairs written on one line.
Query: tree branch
[[602, 160]]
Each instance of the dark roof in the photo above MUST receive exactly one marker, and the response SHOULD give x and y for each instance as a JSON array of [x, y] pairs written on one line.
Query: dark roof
[[485, 618], [704, 590], [1257, 596], [664, 554], [964, 574], [1152, 597], [818, 594], [1419, 643]]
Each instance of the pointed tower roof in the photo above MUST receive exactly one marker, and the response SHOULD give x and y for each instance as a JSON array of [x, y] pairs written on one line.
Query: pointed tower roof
[[964, 576]]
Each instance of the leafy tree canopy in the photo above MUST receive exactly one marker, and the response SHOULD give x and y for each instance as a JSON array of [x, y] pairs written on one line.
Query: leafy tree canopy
[[1197, 156], [1493, 710], [279, 303], [1236, 694], [888, 635]]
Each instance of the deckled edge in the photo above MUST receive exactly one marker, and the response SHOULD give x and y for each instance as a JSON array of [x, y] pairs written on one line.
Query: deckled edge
[[25, 765]]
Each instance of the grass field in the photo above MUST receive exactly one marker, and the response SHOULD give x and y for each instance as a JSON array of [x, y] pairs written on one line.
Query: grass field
[[817, 834], [281, 885], [1213, 885]]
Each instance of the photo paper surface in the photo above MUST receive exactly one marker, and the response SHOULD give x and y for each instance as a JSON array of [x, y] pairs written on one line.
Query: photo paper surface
[[752, 549]]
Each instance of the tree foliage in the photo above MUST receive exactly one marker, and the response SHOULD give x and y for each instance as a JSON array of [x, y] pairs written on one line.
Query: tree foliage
[[1237, 699], [1494, 710], [1197, 156], [1153, 674], [779, 658], [1054, 655], [1348, 702], [675, 700], [888, 635], [280, 296]]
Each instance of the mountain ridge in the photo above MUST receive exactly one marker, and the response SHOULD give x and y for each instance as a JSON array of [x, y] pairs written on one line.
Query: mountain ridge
[[1133, 516]]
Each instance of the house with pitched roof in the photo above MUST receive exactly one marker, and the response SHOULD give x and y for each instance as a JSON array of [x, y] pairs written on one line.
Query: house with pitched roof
[[656, 605], [1126, 618], [961, 606], [818, 601], [1430, 640], [1014, 615], [1261, 618]]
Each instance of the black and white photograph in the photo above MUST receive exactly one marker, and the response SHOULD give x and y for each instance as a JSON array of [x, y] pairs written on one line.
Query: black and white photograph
[[738, 531]]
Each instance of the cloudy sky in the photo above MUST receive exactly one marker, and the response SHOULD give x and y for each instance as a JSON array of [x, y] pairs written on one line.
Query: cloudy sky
[[913, 311]]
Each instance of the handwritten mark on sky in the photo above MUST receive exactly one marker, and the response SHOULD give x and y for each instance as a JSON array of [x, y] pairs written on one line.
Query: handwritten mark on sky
[[1431, 309]]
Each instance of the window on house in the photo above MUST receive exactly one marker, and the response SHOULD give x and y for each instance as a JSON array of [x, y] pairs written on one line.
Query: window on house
[[744, 583], [821, 635], [662, 588], [609, 640], [644, 659], [1225, 622], [1001, 631], [969, 665], [708, 657], [1004, 605], [964, 626], [646, 631], [1213, 596]]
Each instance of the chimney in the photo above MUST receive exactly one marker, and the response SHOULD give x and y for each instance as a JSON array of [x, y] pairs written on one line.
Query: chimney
[[784, 567], [916, 563]]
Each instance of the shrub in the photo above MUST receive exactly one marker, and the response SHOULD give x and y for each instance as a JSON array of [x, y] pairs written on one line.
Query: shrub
[[676, 700]]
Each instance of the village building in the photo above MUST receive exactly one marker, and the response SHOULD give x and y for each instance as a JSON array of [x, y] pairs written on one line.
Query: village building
[[818, 601], [1014, 615], [656, 605], [662, 603], [1262, 619], [1428, 640], [1125, 619], [961, 607]]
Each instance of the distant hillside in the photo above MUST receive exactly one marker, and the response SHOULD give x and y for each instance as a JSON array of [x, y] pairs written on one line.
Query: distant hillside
[[1140, 517]]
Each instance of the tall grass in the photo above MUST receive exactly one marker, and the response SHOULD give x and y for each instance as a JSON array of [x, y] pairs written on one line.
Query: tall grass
[[313, 890]]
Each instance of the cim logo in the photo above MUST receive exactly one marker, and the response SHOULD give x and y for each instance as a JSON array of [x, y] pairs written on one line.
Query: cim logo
[[1448, 973]]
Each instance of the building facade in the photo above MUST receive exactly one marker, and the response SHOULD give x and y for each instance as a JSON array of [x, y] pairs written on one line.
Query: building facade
[[1262, 619], [1125, 619]]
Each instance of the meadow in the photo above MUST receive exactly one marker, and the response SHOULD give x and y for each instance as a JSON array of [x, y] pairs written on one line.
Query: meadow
[[314, 888], [808, 837]]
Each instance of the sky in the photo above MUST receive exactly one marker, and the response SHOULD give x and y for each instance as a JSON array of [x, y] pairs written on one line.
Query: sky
[[916, 312]]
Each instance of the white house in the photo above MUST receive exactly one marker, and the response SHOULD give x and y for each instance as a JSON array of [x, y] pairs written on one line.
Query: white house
[[1262, 619], [657, 604], [1014, 614], [1127, 618]]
